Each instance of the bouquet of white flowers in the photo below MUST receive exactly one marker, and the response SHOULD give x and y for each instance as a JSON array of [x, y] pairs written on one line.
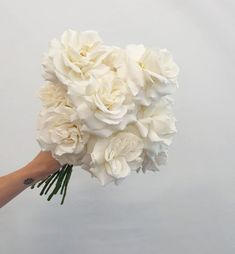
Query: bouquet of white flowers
[[104, 108]]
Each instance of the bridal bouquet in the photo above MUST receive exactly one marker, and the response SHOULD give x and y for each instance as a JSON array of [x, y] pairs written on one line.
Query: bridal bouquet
[[104, 108]]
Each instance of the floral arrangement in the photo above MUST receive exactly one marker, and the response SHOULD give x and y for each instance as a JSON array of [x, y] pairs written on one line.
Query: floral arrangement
[[104, 108]]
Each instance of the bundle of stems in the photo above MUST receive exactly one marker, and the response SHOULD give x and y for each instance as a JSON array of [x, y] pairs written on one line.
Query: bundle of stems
[[60, 179]]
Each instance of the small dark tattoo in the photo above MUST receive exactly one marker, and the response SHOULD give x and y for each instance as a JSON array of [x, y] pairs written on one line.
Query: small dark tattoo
[[28, 181]]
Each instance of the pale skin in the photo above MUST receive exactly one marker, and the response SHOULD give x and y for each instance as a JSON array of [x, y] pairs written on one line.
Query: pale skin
[[15, 182]]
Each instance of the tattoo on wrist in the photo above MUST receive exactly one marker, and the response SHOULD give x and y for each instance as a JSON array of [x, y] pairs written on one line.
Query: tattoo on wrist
[[28, 181]]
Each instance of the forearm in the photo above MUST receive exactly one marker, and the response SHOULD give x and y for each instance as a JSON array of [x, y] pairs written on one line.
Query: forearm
[[15, 182]]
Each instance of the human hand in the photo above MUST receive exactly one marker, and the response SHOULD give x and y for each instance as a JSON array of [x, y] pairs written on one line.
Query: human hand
[[44, 164]]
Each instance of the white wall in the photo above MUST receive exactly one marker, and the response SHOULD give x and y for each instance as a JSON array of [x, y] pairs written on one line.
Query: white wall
[[188, 207]]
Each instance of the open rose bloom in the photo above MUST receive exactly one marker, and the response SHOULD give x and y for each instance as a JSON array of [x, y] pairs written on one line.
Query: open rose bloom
[[104, 108]]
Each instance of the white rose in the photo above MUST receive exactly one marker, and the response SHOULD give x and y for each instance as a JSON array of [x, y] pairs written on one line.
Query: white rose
[[159, 64], [53, 95], [105, 105], [113, 158], [156, 124], [155, 153], [125, 68], [59, 131], [74, 57], [160, 72], [152, 160]]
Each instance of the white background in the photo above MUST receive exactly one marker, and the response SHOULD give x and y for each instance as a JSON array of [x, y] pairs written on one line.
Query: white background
[[188, 207]]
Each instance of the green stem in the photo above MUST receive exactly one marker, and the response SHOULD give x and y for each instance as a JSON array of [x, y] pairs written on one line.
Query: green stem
[[58, 183], [49, 179], [61, 177], [49, 186], [66, 184]]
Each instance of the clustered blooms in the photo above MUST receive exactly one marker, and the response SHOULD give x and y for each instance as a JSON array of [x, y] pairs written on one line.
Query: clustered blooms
[[105, 108]]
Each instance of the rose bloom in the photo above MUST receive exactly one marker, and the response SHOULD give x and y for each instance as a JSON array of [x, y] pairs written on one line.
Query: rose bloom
[[153, 160], [59, 132], [53, 95], [154, 153], [159, 69], [74, 57], [126, 68], [157, 123], [115, 157], [105, 105]]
